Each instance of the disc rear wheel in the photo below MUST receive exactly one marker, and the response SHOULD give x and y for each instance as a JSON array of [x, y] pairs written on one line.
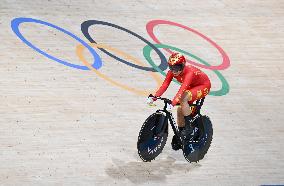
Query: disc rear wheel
[[194, 151]]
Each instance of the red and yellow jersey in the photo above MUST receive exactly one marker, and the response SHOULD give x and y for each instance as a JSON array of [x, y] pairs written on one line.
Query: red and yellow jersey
[[190, 78]]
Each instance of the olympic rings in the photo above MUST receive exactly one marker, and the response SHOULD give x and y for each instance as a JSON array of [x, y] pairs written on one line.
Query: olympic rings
[[226, 61], [15, 27], [85, 26], [225, 86], [79, 51], [146, 52]]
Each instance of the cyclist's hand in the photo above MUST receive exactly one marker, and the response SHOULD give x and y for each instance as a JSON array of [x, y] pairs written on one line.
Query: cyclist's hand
[[169, 107], [150, 100]]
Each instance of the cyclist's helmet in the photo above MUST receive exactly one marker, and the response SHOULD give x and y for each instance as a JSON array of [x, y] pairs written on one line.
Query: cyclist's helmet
[[176, 62]]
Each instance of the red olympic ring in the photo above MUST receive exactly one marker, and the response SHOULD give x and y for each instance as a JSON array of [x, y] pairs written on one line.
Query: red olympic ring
[[226, 61]]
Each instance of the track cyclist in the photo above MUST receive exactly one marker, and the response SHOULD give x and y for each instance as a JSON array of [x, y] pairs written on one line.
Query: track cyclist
[[195, 85]]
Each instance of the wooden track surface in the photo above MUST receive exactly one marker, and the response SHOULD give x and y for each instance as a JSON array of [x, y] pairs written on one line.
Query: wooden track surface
[[64, 126]]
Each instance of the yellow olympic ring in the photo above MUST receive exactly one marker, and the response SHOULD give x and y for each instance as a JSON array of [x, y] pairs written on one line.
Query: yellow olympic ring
[[79, 52]]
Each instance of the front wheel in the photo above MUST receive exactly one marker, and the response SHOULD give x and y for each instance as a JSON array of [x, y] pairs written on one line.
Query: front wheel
[[195, 151], [152, 136]]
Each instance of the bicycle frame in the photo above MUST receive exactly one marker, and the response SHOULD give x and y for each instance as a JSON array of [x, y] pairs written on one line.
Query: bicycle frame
[[169, 115]]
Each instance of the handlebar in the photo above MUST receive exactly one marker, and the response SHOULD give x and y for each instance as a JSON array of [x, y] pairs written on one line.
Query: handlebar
[[197, 105], [166, 100]]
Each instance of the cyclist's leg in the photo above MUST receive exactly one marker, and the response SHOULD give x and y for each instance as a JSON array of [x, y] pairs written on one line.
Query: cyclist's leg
[[185, 98], [180, 119], [192, 95], [176, 143]]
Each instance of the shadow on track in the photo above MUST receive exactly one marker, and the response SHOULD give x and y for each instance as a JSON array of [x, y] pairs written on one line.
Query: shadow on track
[[141, 172]]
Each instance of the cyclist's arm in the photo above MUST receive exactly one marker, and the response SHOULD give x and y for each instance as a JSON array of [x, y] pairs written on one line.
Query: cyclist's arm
[[165, 84], [185, 85]]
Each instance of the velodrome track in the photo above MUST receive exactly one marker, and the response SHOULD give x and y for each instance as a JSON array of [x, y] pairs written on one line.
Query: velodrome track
[[62, 125]]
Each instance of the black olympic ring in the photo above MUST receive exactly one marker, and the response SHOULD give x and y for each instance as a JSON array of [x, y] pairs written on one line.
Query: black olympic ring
[[85, 30]]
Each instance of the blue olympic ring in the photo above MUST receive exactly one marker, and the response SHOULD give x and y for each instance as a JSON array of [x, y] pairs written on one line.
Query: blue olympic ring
[[15, 27]]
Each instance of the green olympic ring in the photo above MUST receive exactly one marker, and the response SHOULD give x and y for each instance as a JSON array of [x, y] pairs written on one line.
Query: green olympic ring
[[147, 51]]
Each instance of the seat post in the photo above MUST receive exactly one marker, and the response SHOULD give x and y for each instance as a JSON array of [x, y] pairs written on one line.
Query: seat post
[[201, 101], [199, 104]]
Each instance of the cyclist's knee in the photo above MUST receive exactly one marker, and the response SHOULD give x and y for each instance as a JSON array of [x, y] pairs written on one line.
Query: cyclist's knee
[[185, 98]]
